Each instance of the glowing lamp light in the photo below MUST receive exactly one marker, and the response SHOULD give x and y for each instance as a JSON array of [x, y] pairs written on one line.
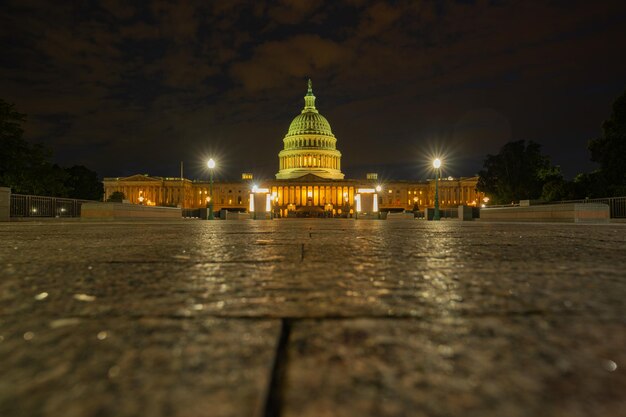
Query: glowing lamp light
[[254, 188], [378, 188], [211, 163], [437, 163]]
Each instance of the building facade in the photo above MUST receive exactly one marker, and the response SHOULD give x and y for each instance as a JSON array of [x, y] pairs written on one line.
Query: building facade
[[309, 180]]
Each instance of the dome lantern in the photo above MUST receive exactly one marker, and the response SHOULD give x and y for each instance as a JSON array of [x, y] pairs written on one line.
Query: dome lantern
[[309, 99]]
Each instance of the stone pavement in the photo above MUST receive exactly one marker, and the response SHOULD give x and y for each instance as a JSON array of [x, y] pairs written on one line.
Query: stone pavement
[[312, 318]]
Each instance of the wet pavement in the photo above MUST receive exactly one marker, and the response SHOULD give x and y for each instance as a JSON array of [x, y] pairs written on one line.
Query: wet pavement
[[312, 318]]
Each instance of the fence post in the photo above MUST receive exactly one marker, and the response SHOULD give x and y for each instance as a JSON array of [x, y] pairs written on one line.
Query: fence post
[[5, 204]]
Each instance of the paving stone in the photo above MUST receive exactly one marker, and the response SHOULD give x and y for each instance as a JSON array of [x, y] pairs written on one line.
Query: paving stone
[[315, 268], [155, 367], [495, 366]]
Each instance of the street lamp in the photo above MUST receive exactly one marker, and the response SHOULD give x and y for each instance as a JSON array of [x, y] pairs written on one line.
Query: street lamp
[[437, 165], [211, 165]]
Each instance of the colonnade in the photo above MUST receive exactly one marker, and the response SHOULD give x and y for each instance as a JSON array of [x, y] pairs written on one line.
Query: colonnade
[[152, 194], [310, 161], [308, 142], [318, 195]]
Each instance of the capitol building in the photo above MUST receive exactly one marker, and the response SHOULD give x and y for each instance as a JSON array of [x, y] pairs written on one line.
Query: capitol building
[[309, 181]]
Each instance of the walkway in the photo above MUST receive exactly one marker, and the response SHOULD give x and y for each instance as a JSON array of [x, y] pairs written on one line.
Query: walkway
[[312, 318]]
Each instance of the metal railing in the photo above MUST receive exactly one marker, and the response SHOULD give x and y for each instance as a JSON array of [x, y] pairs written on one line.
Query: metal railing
[[617, 205], [40, 206]]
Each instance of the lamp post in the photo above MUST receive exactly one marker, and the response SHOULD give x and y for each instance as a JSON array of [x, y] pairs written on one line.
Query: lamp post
[[211, 165], [437, 165]]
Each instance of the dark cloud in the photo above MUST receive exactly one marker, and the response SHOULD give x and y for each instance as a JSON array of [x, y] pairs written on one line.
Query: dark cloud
[[125, 86], [274, 62]]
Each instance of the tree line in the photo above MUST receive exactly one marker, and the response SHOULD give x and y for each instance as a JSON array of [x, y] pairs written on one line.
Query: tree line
[[521, 172], [27, 168]]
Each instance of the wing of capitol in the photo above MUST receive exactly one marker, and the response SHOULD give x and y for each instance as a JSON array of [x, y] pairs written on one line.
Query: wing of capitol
[[309, 182]]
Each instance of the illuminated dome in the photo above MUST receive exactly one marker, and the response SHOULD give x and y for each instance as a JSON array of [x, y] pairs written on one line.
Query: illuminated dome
[[309, 123], [309, 145]]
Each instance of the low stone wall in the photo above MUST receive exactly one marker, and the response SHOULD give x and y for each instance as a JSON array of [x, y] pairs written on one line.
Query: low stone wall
[[234, 215], [400, 216], [122, 211], [465, 213], [570, 212], [5, 204]]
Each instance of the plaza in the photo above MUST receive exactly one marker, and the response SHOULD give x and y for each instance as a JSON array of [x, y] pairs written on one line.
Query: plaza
[[312, 317]]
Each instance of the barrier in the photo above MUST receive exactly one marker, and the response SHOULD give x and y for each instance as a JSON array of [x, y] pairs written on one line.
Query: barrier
[[121, 211], [5, 204], [572, 212]]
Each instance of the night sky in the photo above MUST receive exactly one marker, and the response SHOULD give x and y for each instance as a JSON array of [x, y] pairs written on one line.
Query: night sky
[[127, 89]]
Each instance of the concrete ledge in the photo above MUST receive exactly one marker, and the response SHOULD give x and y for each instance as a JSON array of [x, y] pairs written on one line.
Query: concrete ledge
[[400, 216], [118, 211], [369, 216], [465, 213], [570, 212], [5, 204], [258, 215], [234, 215]]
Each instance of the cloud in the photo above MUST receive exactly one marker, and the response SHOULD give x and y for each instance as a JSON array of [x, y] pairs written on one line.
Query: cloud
[[291, 12], [119, 8], [274, 62]]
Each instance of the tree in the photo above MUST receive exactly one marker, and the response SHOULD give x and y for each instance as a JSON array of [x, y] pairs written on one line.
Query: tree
[[17, 158], [519, 172], [609, 150], [588, 185], [116, 197], [82, 183], [27, 168]]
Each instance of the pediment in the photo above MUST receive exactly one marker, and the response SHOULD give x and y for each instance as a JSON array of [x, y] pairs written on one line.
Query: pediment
[[310, 178], [140, 177]]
